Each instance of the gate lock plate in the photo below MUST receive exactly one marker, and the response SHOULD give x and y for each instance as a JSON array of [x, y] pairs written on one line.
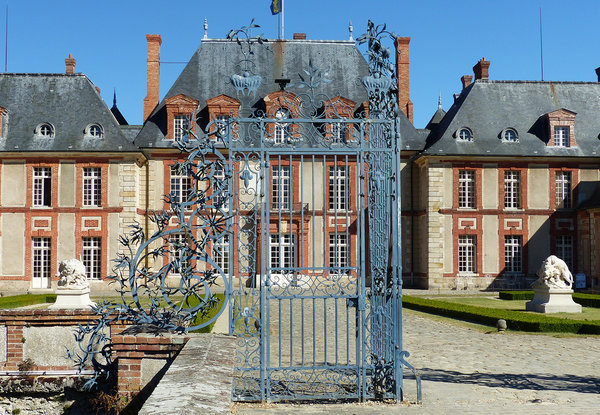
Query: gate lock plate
[[356, 302]]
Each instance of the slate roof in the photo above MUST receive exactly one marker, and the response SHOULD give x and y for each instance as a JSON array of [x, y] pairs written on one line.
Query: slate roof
[[489, 107], [67, 101], [208, 73]]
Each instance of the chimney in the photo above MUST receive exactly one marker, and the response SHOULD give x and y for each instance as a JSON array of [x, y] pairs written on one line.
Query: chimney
[[152, 74], [482, 69], [466, 80], [300, 36], [598, 73], [70, 63], [402, 72]]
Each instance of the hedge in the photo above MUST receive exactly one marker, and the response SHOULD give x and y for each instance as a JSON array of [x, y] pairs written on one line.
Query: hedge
[[16, 301], [515, 320], [586, 300]]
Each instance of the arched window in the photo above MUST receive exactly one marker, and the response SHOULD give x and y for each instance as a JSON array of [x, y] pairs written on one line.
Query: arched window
[[93, 131], [464, 134], [510, 135], [282, 131], [44, 130]]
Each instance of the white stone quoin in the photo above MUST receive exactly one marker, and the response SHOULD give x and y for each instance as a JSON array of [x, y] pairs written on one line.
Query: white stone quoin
[[73, 287], [553, 291]]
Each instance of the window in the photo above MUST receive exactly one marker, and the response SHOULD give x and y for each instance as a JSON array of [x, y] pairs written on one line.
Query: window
[[561, 136], [338, 251], [42, 186], [338, 188], [512, 190], [336, 132], [41, 262], [282, 130], [464, 134], [221, 253], [181, 125], [513, 260], [177, 252], [93, 131], [92, 186], [92, 249], [467, 254], [562, 186], [180, 185], [281, 252], [564, 249], [221, 124], [510, 136], [219, 186], [44, 130], [281, 188], [466, 189]]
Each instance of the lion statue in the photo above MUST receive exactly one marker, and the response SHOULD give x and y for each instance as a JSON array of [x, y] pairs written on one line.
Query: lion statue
[[554, 273], [72, 274]]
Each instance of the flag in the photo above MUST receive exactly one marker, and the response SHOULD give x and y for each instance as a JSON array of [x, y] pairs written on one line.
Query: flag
[[276, 6]]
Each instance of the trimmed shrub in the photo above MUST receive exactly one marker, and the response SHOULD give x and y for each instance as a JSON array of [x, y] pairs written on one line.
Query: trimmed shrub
[[586, 300], [516, 320], [16, 301]]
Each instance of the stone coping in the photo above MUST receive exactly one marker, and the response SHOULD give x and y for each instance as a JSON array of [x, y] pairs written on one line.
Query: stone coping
[[199, 381]]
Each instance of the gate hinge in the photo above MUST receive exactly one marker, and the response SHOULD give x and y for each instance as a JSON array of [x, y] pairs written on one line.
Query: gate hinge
[[358, 302]]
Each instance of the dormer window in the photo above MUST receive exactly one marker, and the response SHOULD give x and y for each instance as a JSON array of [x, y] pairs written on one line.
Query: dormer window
[[44, 130], [337, 131], [93, 131], [464, 134], [510, 135], [180, 126], [181, 115], [561, 128], [222, 111], [282, 129]]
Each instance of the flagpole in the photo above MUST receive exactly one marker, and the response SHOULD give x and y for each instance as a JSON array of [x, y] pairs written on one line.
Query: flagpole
[[282, 19]]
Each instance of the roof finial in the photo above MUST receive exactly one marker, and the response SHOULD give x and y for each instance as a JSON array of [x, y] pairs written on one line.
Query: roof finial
[[115, 97], [440, 101], [205, 28], [350, 29]]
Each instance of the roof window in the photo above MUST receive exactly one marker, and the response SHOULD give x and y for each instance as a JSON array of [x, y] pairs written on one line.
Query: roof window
[[509, 135], [93, 131], [44, 130], [464, 134]]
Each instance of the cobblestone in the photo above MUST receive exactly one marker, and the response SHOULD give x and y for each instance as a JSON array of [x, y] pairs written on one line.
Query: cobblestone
[[470, 372]]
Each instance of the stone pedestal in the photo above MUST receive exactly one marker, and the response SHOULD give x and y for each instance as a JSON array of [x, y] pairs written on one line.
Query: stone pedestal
[[71, 298], [553, 300]]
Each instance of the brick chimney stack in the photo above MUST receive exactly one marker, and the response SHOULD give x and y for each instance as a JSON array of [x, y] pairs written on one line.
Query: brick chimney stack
[[70, 64], [402, 71], [300, 36], [466, 80], [152, 74], [482, 69], [598, 73]]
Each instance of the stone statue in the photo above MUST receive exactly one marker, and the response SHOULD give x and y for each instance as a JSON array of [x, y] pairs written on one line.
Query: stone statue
[[554, 273], [72, 274]]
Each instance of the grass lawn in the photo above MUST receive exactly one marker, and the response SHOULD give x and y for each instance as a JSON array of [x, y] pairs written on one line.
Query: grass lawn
[[588, 313]]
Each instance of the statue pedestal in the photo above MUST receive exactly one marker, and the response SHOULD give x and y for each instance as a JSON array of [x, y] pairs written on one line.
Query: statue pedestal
[[553, 300], [72, 298]]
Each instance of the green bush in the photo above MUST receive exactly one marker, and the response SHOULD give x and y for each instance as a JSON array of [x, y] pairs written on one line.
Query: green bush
[[586, 300], [515, 320], [16, 301]]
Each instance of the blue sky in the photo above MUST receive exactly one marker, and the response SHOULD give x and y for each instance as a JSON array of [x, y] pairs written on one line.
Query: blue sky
[[448, 37]]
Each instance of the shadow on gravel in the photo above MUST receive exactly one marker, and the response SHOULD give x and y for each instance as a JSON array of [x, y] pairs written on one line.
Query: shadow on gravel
[[581, 384]]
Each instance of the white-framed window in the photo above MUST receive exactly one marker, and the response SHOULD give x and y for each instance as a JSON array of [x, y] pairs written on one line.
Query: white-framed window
[[336, 132], [221, 253], [221, 123], [92, 257], [510, 135], [281, 252], [177, 243], [282, 132], [42, 186], [93, 131], [338, 251], [219, 186], [281, 192], [564, 250], [464, 134], [513, 254], [562, 186], [44, 130], [92, 186], [338, 188], [467, 254], [466, 189], [180, 127], [512, 189], [42, 258], [181, 183], [561, 136]]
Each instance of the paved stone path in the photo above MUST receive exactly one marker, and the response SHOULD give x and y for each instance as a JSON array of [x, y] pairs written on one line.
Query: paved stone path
[[469, 372]]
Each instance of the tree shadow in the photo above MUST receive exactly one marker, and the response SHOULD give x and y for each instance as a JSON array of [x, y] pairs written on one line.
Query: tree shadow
[[525, 381]]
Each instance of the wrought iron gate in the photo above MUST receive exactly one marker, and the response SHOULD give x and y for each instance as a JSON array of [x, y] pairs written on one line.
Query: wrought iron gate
[[314, 240]]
